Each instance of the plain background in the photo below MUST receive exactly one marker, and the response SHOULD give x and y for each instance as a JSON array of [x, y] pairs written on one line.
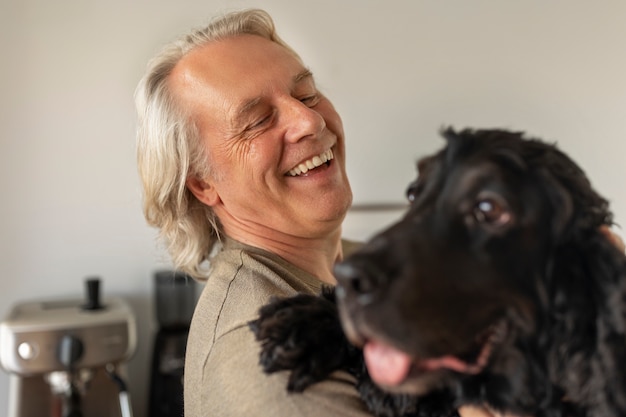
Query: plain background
[[396, 70]]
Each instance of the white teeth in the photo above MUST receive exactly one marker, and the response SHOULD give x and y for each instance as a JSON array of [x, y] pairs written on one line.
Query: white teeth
[[314, 162]]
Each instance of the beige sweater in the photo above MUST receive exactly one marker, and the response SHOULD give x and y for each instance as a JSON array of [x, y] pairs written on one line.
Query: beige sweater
[[222, 372]]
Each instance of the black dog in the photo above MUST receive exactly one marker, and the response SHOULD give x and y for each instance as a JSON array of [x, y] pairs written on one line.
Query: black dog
[[498, 287]]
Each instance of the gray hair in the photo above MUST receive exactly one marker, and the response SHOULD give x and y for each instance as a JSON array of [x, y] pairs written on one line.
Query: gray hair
[[170, 149]]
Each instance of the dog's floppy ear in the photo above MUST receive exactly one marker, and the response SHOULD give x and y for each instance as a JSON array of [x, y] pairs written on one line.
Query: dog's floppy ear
[[586, 289]]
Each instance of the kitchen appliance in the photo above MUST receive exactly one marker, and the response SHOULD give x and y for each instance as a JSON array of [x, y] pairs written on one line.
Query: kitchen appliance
[[67, 358], [175, 300]]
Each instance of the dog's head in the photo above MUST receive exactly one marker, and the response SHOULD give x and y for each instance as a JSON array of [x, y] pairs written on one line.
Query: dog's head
[[466, 273]]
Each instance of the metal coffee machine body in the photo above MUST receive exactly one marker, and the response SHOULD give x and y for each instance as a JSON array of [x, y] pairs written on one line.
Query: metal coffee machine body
[[67, 358]]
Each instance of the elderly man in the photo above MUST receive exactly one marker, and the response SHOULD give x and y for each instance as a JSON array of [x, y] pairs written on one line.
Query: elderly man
[[242, 161]]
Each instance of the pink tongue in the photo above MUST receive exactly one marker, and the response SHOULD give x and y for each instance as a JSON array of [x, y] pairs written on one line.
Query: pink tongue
[[386, 365]]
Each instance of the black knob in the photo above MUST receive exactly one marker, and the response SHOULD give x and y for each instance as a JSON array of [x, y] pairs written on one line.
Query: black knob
[[70, 350], [92, 294]]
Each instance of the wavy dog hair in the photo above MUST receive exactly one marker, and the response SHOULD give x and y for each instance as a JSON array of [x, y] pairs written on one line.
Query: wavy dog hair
[[170, 148]]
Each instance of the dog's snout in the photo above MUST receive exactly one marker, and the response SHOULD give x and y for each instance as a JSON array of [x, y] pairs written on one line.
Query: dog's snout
[[354, 281]]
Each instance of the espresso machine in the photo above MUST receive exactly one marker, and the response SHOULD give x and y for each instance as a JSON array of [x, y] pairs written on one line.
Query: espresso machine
[[67, 358]]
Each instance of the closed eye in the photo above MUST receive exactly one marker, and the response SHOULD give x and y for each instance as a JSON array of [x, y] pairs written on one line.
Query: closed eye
[[260, 122], [311, 101]]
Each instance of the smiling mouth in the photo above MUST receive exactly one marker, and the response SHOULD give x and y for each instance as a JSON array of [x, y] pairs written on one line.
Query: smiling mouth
[[318, 160]]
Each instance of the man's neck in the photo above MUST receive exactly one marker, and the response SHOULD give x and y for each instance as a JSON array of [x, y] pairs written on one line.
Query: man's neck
[[317, 256]]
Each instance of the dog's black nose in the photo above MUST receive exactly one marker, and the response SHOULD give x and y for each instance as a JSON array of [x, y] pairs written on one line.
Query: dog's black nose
[[354, 282]]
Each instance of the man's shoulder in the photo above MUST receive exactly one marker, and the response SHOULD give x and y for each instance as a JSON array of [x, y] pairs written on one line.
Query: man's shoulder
[[237, 287]]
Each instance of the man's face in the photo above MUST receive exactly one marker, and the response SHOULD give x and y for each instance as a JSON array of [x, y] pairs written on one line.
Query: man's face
[[262, 119]]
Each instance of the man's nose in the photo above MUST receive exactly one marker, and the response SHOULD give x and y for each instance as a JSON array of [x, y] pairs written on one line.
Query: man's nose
[[301, 121]]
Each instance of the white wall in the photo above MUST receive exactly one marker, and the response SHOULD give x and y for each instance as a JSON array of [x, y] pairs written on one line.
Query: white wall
[[396, 70]]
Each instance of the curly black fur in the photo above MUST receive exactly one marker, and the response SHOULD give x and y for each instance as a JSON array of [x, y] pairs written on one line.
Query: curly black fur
[[503, 232]]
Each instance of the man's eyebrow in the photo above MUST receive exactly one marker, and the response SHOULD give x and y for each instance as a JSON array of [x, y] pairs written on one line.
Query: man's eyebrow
[[301, 76]]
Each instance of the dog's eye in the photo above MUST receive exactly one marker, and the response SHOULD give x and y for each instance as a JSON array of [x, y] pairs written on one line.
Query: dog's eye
[[413, 191], [491, 211]]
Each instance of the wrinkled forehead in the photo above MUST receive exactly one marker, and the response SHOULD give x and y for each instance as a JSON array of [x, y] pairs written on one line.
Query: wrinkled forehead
[[221, 76]]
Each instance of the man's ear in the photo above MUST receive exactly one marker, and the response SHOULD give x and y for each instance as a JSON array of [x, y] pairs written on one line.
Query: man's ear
[[203, 191]]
